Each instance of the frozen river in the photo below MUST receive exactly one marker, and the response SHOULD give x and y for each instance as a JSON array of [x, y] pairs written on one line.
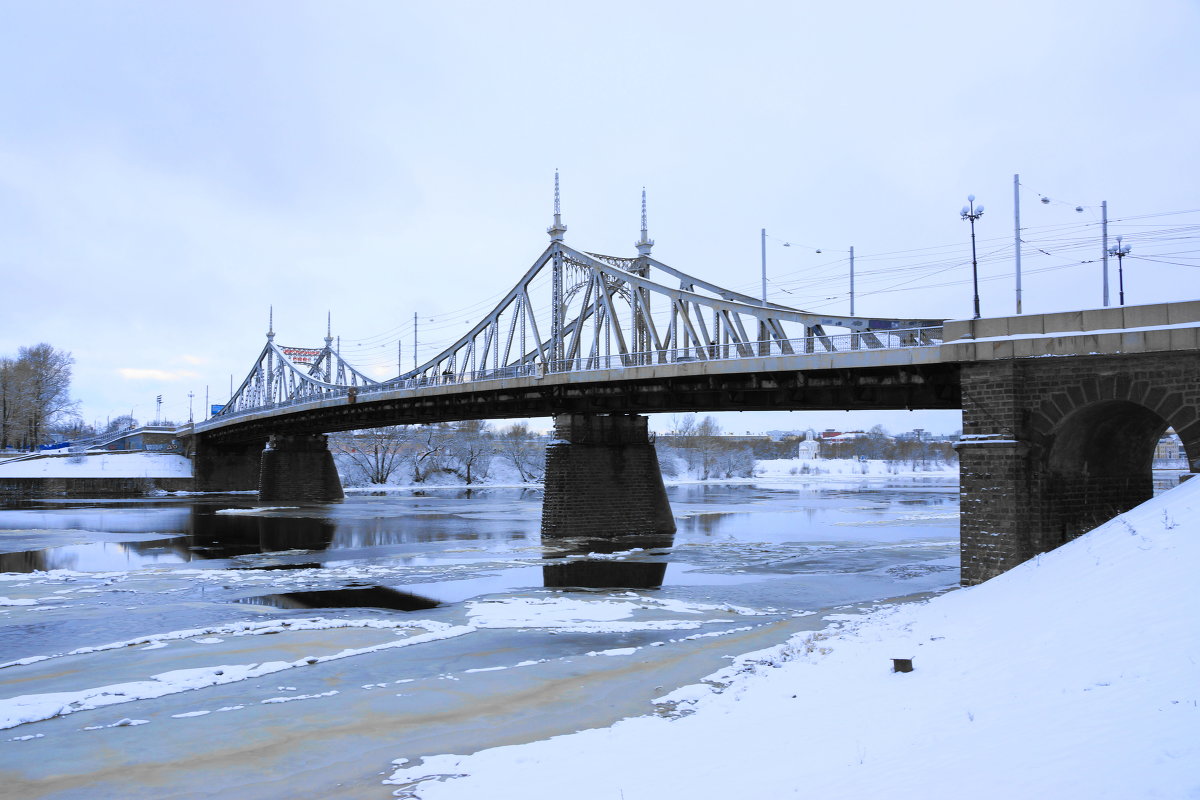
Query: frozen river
[[217, 647]]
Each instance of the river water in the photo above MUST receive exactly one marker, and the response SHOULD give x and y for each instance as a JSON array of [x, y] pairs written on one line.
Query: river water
[[216, 646]]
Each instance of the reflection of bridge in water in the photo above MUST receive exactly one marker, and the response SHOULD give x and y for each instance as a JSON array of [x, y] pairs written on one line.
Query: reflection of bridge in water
[[295, 539], [1061, 412]]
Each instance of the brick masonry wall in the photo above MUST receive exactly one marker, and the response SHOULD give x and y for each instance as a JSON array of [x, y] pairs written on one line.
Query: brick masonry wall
[[298, 468], [603, 479], [91, 487], [228, 467], [1055, 446]]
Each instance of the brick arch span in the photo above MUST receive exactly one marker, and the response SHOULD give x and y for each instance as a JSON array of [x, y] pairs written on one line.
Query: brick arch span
[[1093, 448], [1055, 446]]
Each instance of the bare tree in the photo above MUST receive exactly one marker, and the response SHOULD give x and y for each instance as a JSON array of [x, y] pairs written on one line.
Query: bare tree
[[9, 402], [683, 426], [525, 452], [429, 450], [375, 454], [471, 448], [734, 461], [35, 391], [121, 423], [704, 449]]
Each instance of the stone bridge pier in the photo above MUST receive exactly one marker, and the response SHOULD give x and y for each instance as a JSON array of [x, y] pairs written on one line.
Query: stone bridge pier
[[226, 466], [1053, 447], [298, 467], [603, 479], [283, 467]]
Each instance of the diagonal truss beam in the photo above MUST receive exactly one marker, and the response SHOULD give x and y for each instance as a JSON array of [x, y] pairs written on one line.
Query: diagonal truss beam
[[610, 312]]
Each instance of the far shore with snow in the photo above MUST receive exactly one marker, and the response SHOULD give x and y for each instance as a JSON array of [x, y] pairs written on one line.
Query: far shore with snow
[[171, 465], [783, 470]]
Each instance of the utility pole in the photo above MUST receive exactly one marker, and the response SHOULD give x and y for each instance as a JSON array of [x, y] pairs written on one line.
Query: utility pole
[[1017, 233], [852, 280], [414, 340], [764, 266], [190, 418], [763, 346], [1104, 237]]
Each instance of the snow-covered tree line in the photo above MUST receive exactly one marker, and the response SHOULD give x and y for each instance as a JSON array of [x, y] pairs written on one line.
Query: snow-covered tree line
[[474, 451], [35, 394], [701, 450], [878, 444], [467, 451]]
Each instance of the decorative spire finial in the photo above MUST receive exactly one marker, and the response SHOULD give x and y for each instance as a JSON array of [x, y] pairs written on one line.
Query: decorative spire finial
[[644, 244], [556, 230], [271, 324]]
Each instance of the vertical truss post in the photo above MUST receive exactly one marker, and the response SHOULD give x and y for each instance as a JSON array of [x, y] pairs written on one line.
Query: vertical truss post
[[269, 378], [640, 298], [328, 354], [556, 232]]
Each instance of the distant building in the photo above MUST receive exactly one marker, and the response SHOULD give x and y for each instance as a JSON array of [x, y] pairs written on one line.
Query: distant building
[[1169, 453], [838, 438], [153, 438], [809, 448]]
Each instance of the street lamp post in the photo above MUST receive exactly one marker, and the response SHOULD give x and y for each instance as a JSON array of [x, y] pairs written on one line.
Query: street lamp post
[[1120, 251], [971, 213]]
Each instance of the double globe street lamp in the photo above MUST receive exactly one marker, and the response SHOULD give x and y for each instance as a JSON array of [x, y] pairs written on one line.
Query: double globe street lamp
[[1120, 251], [972, 212]]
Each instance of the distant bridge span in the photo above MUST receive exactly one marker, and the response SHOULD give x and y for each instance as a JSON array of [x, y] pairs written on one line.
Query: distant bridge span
[[1061, 412]]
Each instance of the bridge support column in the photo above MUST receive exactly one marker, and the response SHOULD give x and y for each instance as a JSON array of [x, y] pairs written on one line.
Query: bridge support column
[[298, 467], [1000, 507], [1001, 488], [603, 479], [226, 467]]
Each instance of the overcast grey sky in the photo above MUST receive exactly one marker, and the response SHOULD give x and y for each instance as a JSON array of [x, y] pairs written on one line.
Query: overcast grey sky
[[170, 170]]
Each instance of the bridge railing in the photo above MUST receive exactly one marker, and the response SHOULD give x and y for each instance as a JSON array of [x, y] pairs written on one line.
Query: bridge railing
[[807, 345], [774, 348]]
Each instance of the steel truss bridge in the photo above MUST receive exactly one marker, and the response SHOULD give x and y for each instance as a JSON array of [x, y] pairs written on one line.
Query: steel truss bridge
[[608, 321]]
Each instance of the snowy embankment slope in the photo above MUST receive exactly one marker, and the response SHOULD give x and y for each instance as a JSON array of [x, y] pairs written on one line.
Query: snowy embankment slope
[[100, 465], [1076, 674]]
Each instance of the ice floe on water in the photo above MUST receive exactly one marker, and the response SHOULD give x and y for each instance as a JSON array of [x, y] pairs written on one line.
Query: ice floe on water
[[592, 615], [34, 707], [249, 628], [607, 614], [121, 723], [289, 698], [614, 651]]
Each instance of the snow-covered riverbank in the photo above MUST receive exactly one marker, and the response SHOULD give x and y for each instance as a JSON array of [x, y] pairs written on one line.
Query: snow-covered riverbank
[[99, 465], [1075, 675]]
